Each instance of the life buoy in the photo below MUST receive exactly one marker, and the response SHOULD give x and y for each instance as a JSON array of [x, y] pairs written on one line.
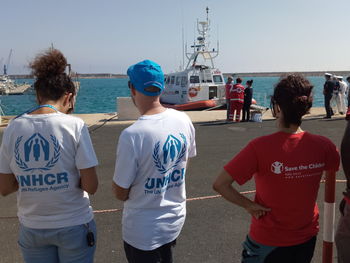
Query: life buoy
[[193, 92]]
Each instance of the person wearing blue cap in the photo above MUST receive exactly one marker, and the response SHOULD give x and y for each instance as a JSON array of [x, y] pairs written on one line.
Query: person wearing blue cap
[[152, 156]]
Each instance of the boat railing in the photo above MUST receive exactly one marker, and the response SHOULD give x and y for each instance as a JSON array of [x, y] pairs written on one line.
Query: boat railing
[[262, 98]]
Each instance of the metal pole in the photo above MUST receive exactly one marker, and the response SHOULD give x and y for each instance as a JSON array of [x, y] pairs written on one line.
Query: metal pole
[[328, 218]]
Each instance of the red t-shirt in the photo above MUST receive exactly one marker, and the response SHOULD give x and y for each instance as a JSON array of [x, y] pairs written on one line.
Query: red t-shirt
[[237, 93], [227, 90], [287, 170]]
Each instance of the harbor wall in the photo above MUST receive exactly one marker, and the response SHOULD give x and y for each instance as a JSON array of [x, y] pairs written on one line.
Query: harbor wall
[[343, 73]]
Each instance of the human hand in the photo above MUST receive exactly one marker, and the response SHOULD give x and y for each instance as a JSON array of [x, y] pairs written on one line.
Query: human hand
[[347, 192], [257, 210], [342, 206]]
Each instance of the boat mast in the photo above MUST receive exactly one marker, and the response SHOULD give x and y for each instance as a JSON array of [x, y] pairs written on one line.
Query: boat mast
[[7, 64], [202, 45], [183, 42]]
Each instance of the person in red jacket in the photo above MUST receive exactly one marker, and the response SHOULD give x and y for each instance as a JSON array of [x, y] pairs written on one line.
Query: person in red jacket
[[236, 96]]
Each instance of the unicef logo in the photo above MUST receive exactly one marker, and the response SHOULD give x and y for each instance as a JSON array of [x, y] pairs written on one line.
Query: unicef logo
[[37, 152], [173, 151], [277, 167]]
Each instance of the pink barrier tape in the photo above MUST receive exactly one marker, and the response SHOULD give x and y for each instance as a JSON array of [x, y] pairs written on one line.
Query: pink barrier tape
[[189, 200]]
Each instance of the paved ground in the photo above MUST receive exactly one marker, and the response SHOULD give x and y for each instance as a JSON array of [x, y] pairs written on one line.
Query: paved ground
[[214, 229]]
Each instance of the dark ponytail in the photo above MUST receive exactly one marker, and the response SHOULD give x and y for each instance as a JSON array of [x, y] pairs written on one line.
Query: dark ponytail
[[51, 79], [293, 94]]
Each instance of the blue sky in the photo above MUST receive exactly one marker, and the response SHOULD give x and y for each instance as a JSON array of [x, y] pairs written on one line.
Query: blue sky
[[107, 36]]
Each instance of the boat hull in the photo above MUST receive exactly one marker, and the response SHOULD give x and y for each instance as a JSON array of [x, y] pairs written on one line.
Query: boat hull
[[196, 105]]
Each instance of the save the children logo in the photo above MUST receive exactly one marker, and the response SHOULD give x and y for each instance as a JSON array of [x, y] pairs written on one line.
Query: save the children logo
[[277, 167], [37, 153], [170, 154]]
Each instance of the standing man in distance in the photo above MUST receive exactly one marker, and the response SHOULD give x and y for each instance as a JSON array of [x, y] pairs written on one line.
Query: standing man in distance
[[228, 87], [343, 91], [152, 156], [335, 101], [328, 88], [248, 96], [347, 117]]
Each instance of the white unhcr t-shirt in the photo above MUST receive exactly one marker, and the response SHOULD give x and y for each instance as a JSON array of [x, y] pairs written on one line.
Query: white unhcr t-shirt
[[151, 159], [44, 152]]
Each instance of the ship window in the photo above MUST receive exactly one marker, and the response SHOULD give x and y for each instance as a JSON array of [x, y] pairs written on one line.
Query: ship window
[[194, 79], [217, 78], [178, 81], [213, 92], [172, 81], [183, 81], [206, 76]]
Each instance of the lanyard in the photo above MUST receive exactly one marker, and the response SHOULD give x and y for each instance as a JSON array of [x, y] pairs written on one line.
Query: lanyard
[[36, 108]]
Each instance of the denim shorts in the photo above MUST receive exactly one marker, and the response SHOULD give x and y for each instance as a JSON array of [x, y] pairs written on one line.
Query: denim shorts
[[254, 252], [67, 244]]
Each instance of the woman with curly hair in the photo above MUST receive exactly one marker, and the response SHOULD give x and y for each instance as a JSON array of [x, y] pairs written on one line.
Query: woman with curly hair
[[287, 167], [46, 156]]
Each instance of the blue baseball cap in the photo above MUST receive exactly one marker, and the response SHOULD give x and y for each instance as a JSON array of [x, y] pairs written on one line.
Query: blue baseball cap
[[146, 74]]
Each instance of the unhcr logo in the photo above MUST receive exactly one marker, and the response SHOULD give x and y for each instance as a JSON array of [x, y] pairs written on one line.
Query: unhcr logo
[[38, 153], [166, 159], [172, 152]]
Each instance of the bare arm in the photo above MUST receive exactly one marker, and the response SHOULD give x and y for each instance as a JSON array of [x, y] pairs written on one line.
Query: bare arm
[[120, 193], [8, 184], [223, 185], [345, 157], [88, 180]]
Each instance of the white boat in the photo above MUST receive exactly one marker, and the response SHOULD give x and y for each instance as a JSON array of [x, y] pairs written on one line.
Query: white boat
[[6, 84], [200, 85]]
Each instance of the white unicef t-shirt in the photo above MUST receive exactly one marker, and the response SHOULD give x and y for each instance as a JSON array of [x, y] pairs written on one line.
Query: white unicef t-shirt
[[151, 159], [44, 152]]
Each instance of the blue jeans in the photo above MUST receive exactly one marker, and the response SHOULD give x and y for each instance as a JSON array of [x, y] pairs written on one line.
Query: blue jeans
[[67, 244]]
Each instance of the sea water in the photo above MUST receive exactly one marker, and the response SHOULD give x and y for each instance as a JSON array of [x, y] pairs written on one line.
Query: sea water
[[99, 95]]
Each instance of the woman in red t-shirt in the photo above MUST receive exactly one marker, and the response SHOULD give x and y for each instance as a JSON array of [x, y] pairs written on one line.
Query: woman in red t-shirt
[[287, 167]]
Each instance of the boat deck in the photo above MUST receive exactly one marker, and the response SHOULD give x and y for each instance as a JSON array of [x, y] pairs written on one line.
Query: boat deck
[[18, 90]]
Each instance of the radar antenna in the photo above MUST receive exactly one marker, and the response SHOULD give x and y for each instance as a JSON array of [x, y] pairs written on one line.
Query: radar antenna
[[201, 46]]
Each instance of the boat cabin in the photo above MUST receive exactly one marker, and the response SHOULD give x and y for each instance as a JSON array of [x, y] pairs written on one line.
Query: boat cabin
[[198, 83]]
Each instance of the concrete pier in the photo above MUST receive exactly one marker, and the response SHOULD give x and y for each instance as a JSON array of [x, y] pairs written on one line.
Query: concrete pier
[[214, 228]]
